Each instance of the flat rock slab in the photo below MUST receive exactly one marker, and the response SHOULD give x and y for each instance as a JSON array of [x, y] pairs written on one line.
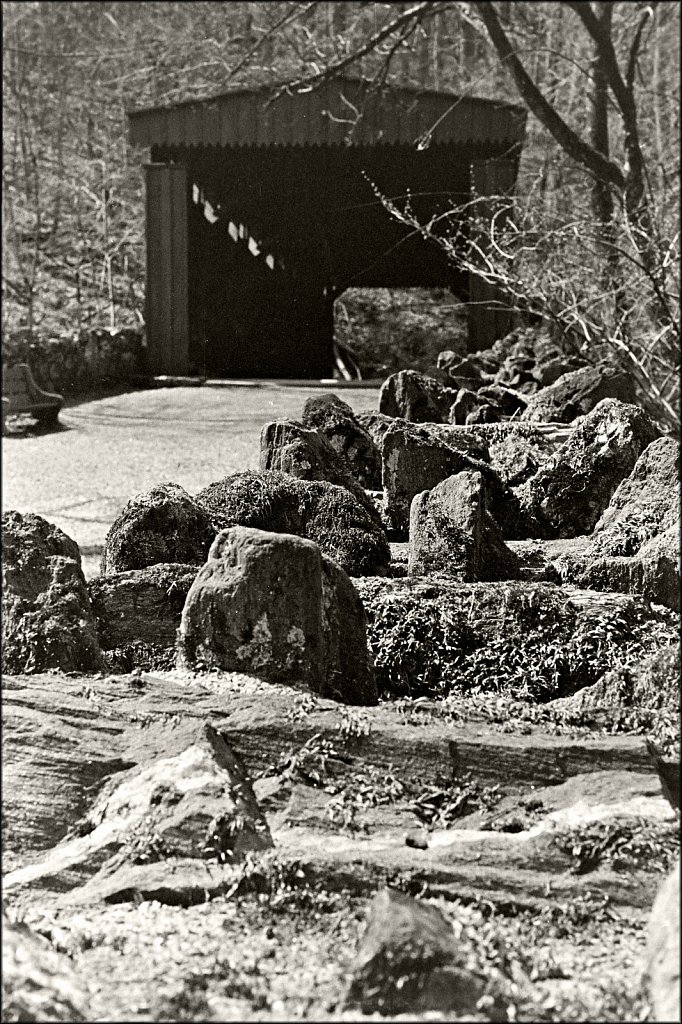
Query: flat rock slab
[[64, 736]]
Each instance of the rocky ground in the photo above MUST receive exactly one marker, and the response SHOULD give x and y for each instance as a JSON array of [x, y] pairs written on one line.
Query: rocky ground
[[242, 782]]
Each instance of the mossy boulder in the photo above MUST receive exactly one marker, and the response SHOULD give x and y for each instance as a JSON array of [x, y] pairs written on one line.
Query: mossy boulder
[[523, 640], [653, 682], [288, 447], [326, 513], [163, 524], [452, 533], [643, 505]]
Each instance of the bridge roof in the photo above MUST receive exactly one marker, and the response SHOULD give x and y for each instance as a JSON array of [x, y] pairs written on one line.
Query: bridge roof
[[325, 116]]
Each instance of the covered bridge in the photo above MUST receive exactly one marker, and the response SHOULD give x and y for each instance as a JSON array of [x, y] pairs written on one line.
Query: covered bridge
[[260, 212]]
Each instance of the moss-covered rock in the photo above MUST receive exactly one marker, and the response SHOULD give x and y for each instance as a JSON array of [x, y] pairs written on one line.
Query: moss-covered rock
[[653, 682], [271, 605], [288, 447], [527, 641], [326, 513], [452, 533], [643, 505], [163, 524]]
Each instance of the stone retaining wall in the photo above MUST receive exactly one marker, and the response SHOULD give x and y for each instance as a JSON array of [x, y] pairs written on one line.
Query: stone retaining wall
[[74, 363]]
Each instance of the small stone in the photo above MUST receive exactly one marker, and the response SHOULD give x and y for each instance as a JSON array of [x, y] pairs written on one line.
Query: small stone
[[408, 961], [417, 840]]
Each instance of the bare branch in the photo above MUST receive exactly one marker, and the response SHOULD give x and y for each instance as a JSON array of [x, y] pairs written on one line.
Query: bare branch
[[568, 139]]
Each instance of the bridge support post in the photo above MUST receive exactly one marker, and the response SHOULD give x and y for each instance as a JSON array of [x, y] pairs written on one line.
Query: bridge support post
[[166, 316], [489, 314]]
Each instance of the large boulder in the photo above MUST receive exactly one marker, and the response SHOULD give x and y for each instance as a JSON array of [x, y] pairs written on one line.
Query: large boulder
[[644, 504], [568, 494], [663, 950], [453, 534], [288, 447], [326, 513], [417, 457], [330, 416], [635, 545], [47, 619], [415, 397], [577, 393], [264, 604], [138, 613], [163, 524], [408, 961]]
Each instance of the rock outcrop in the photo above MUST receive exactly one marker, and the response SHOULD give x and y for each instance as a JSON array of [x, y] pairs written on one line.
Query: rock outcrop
[[265, 604], [47, 618], [193, 802]]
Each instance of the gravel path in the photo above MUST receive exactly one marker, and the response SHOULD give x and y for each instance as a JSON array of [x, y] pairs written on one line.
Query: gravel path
[[80, 476]]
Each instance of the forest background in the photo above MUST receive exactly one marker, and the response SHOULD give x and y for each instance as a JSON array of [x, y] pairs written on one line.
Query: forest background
[[586, 251]]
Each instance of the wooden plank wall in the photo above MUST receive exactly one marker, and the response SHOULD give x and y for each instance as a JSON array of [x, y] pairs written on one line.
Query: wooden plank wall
[[166, 287]]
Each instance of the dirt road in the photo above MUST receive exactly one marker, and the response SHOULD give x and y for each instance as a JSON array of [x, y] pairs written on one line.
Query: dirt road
[[80, 476]]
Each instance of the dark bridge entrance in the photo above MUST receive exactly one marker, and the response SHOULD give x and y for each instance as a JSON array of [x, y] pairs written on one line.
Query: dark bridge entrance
[[258, 217]]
